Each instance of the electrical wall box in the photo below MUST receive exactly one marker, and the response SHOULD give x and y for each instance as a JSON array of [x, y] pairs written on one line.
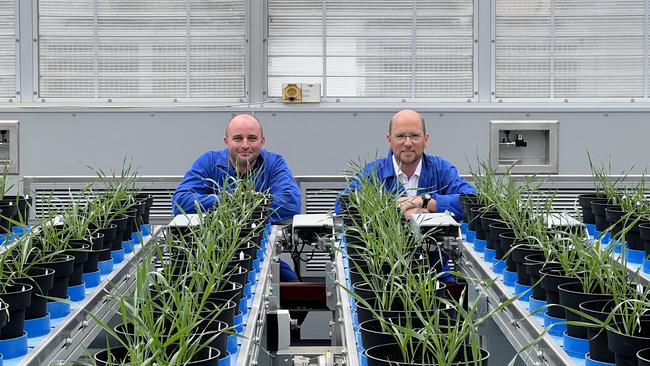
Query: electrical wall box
[[9, 146], [301, 93], [532, 146]]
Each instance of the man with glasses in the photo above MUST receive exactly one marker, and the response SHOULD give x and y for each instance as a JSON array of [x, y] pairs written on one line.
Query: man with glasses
[[426, 183]]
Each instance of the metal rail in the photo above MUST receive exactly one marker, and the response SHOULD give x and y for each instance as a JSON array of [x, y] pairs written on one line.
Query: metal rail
[[253, 332], [517, 324], [344, 312]]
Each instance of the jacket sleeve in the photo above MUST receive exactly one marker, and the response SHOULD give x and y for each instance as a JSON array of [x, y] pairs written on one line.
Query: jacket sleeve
[[368, 170], [285, 192], [451, 186], [196, 186]]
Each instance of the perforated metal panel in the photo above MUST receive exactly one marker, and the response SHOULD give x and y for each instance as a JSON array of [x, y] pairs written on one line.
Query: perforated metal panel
[[142, 49], [370, 48], [54, 193], [571, 49], [319, 193], [8, 49]]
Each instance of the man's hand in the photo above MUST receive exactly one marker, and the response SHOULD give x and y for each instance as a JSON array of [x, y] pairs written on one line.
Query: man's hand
[[416, 210], [409, 203]]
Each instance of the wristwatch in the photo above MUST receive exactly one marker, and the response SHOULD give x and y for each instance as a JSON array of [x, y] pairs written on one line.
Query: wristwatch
[[425, 200]]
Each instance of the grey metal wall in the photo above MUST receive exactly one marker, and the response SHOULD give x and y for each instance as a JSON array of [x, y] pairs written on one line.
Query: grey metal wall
[[315, 141]]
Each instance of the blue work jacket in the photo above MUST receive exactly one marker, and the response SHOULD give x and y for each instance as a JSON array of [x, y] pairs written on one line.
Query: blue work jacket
[[437, 177], [204, 180]]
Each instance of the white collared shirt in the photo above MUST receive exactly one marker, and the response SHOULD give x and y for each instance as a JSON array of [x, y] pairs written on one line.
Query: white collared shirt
[[410, 184]]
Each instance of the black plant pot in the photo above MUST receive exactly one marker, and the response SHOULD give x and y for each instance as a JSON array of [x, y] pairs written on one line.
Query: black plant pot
[[227, 310], [236, 274], [396, 311], [471, 210], [18, 297], [571, 296], [391, 355], [165, 307], [96, 245], [131, 219], [476, 214], [552, 278], [507, 240], [8, 210], [250, 248], [598, 208], [523, 249], [358, 260], [112, 357], [245, 261], [584, 200], [644, 233], [227, 291], [534, 264], [643, 357], [361, 273], [366, 291], [467, 198], [148, 199], [80, 254], [63, 266], [600, 310], [372, 333], [42, 281], [626, 346], [633, 237], [487, 219], [24, 204], [212, 332], [108, 235], [121, 226], [4, 314], [496, 230], [140, 207], [617, 220], [209, 333]]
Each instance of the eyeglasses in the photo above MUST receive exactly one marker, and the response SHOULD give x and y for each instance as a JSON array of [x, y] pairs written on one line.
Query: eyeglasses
[[415, 137]]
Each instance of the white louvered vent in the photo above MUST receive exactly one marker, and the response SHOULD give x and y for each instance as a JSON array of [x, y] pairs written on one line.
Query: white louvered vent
[[370, 48], [8, 60], [56, 192], [142, 49], [58, 199], [571, 49], [320, 200], [316, 265], [320, 197]]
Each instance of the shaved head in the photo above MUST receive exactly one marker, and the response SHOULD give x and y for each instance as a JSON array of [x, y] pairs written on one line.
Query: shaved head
[[406, 114], [244, 140], [244, 118]]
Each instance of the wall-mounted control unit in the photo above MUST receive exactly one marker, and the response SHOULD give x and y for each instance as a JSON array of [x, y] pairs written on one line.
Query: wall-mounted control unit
[[9, 146], [530, 147], [301, 93]]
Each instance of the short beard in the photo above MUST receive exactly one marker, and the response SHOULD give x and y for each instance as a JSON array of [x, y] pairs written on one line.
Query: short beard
[[401, 161]]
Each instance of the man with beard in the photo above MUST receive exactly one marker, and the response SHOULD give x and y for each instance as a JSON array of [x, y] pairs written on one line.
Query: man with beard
[[244, 156], [425, 183]]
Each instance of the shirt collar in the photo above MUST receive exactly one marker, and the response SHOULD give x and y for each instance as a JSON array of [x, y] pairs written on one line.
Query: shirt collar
[[398, 171]]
